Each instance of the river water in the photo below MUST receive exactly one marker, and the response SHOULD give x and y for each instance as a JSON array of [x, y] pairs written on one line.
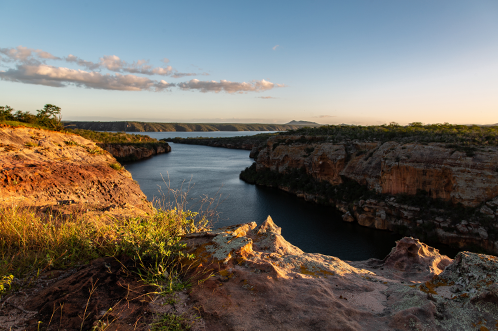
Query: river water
[[214, 172]]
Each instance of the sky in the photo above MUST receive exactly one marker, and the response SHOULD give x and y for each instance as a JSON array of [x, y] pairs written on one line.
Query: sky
[[332, 62]]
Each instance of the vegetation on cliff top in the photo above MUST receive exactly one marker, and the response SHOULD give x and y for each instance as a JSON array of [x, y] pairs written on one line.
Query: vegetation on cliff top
[[49, 118], [414, 132]]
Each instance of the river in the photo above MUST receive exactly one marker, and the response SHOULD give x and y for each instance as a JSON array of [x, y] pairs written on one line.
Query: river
[[214, 173]]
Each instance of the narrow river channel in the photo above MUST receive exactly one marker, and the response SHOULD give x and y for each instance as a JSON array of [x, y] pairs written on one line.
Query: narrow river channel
[[214, 172]]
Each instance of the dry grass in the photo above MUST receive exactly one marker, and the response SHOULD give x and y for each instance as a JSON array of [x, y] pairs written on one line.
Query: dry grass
[[31, 242]]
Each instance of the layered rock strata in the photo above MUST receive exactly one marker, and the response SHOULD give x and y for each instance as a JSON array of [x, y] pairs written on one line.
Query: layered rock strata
[[391, 169], [48, 169], [134, 152], [262, 282]]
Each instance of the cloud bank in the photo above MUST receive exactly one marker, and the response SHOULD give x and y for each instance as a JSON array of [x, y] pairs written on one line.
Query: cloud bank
[[25, 55], [227, 86], [31, 68], [61, 77]]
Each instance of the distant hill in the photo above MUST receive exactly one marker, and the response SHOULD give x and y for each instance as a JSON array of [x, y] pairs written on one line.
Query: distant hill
[[306, 123], [132, 126]]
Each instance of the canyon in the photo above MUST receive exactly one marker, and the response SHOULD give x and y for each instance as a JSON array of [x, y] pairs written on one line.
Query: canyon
[[247, 276], [399, 184]]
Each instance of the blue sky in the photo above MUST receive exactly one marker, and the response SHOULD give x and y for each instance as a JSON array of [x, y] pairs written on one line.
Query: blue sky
[[355, 62]]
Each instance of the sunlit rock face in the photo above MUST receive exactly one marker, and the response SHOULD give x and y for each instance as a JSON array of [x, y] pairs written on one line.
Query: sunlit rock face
[[391, 167], [261, 281], [51, 169]]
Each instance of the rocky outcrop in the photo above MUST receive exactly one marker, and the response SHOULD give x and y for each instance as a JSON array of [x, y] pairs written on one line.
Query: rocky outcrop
[[262, 282], [134, 152], [392, 172], [49, 169]]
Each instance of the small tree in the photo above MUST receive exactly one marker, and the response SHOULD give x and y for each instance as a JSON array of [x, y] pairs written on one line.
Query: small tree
[[24, 116], [6, 113], [50, 116]]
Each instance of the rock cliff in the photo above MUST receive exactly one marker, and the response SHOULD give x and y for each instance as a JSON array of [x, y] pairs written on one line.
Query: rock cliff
[[435, 191], [134, 152], [50, 169]]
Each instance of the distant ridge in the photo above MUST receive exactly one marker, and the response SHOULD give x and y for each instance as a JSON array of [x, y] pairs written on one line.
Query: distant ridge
[[134, 126], [303, 123]]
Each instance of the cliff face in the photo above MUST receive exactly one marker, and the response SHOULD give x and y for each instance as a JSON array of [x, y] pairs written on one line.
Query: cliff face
[[124, 152], [391, 169], [48, 169]]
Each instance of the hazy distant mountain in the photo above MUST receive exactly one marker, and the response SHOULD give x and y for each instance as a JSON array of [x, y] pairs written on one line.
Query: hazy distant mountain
[[303, 123]]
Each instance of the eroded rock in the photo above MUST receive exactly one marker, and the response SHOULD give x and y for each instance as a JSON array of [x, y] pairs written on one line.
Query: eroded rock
[[269, 284], [40, 168]]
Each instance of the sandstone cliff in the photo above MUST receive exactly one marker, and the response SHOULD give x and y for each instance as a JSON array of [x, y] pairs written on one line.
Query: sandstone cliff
[[401, 184], [134, 152], [49, 169]]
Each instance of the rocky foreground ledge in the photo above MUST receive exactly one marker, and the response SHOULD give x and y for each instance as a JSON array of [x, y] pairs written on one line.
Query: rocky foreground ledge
[[259, 281], [263, 282]]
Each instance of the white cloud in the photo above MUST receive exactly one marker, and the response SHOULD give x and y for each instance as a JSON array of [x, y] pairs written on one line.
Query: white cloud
[[61, 77], [30, 68], [275, 47], [113, 63], [182, 74], [227, 86], [26, 55], [268, 97], [82, 63]]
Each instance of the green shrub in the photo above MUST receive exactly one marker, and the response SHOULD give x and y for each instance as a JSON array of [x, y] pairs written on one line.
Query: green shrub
[[116, 166]]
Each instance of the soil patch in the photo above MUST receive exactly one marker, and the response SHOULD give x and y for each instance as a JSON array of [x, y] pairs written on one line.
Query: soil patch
[[106, 293]]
